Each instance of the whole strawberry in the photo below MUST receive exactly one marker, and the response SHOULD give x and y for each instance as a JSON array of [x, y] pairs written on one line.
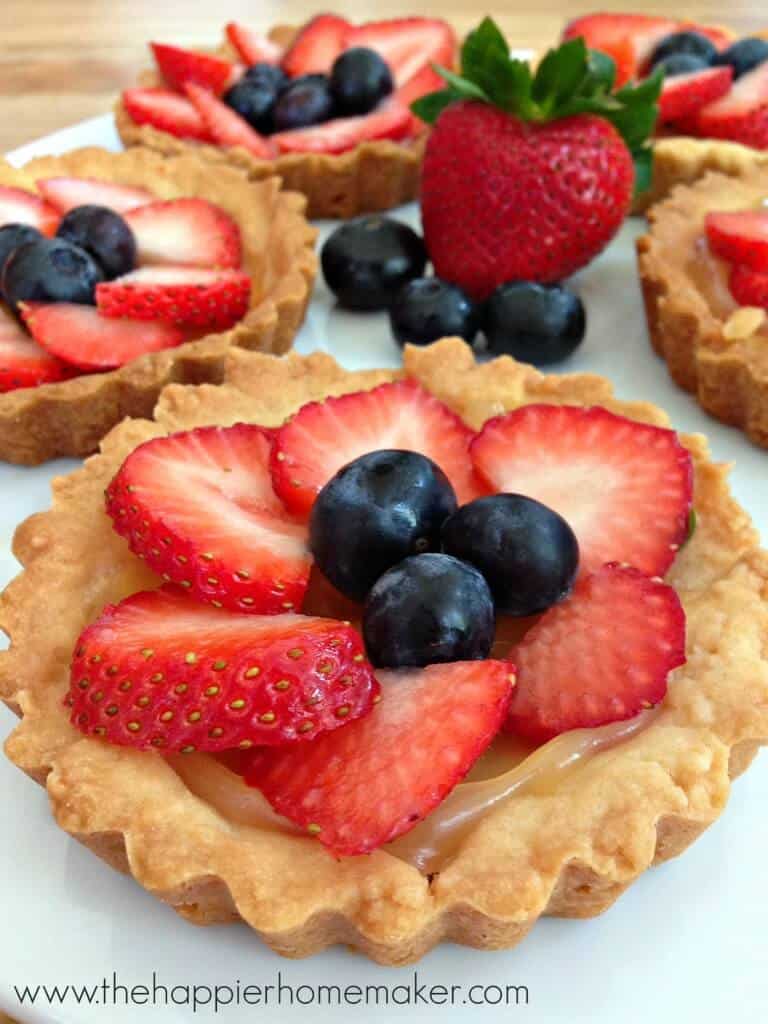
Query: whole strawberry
[[529, 177]]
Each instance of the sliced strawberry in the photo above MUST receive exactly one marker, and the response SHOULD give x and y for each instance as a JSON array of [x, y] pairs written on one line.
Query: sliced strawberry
[[23, 364], [601, 656], [361, 787], [749, 287], [741, 115], [324, 436], [67, 193], [159, 670], [166, 111], [407, 44], [629, 38], [199, 508], [423, 82], [390, 120], [186, 232], [225, 125], [683, 95], [624, 487], [253, 47], [83, 338], [17, 206], [179, 66], [316, 46], [187, 296], [740, 236]]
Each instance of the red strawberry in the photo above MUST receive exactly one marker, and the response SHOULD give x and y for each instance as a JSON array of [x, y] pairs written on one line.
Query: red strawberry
[[390, 120], [18, 206], [186, 232], [67, 193], [741, 115], [316, 46], [601, 656], [749, 287], [199, 508], [179, 66], [423, 82], [253, 47], [624, 487], [23, 364], [408, 45], [629, 38], [324, 436], [81, 337], [159, 670], [740, 236], [166, 111], [683, 95], [363, 786], [188, 296], [225, 125]]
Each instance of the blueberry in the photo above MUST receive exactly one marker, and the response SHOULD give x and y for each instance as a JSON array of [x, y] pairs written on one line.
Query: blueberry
[[11, 237], [51, 270], [367, 260], [427, 609], [268, 74], [527, 553], [104, 235], [692, 43], [427, 308], [536, 323], [682, 64], [306, 101], [373, 513], [254, 100], [360, 78], [744, 55]]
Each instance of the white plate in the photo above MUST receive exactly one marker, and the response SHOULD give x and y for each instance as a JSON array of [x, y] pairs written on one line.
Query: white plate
[[685, 943]]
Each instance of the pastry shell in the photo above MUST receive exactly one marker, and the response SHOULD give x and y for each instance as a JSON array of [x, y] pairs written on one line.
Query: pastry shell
[[70, 417], [571, 852]]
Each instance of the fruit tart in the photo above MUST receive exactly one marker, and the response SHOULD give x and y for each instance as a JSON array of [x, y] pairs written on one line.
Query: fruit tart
[[122, 272], [381, 636], [326, 106]]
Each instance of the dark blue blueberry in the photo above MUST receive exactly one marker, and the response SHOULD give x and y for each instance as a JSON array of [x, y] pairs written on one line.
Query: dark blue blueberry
[[268, 74], [360, 79], [694, 44], [254, 100], [427, 609], [366, 261], [427, 308], [682, 64], [102, 233], [744, 55], [11, 237], [305, 101], [51, 270], [535, 323], [374, 512]]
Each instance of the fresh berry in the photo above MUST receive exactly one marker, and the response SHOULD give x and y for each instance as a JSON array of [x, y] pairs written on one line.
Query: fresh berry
[[373, 513], [407, 45], [305, 101], [423, 82], [23, 364], [535, 323], [681, 64], [399, 762], [367, 260], [20, 207], [199, 508], [67, 193], [316, 46], [324, 436], [685, 43], [623, 487], [50, 270], [224, 125], [253, 47], [391, 120], [161, 671], [527, 553], [188, 296], [737, 236], [104, 235], [426, 309], [360, 79], [11, 237], [741, 115], [186, 232], [629, 38], [81, 337], [179, 66], [168, 112], [601, 656], [744, 55], [269, 74], [683, 95], [749, 287], [254, 100], [426, 609]]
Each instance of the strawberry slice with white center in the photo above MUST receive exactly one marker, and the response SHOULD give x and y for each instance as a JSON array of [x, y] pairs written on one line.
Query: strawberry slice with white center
[[161, 671], [253, 47], [739, 236], [17, 206], [624, 487], [316, 46], [324, 436], [423, 82], [629, 38], [179, 66], [199, 508], [741, 115], [682, 95], [186, 232], [81, 337], [362, 786], [390, 120], [187, 296], [67, 193], [407, 44], [749, 287], [225, 125], [601, 656], [167, 111], [23, 363]]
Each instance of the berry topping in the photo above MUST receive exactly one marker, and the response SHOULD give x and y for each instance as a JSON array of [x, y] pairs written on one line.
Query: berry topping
[[253, 98], [681, 64], [305, 101], [104, 235], [50, 270], [399, 762], [749, 287], [253, 47], [391, 120], [624, 487], [683, 95], [224, 125], [199, 508], [316, 46], [367, 260], [601, 656], [685, 43], [742, 114], [11, 237], [426, 609], [407, 45], [360, 78], [161, 671], [427, 308], [535, 323], [168, 112], [324, 436], [373, 513], [20, 207], [739, 236], [23, 364], [186, 232], [67, 193], [745, 55], [527, 553], [630, 39], [179, 66]]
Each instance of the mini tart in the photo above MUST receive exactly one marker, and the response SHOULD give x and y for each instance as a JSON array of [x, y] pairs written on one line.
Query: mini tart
[[70, 417], [713, 347], [570, 851], [373, 176]]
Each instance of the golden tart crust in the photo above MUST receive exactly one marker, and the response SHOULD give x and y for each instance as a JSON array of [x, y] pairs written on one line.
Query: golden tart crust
[[570, 852], [70, 417]]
